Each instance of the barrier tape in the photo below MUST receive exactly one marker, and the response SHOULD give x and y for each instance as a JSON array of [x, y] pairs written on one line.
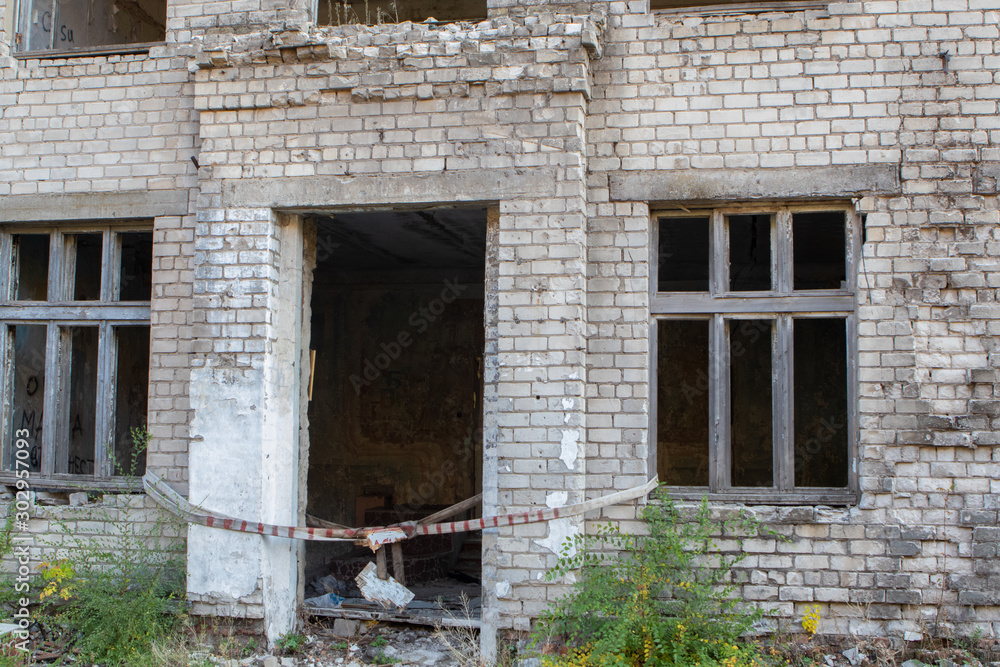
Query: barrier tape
[[173, 502]]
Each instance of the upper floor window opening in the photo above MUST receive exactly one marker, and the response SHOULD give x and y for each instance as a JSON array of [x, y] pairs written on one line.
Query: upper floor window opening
[[377, 12], [67, 25]]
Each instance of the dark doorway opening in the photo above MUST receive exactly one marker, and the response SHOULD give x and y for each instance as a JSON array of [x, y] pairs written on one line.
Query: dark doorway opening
[[395, 419]]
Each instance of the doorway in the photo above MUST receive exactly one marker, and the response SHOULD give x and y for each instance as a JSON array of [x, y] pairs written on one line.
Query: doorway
[[396, 411]]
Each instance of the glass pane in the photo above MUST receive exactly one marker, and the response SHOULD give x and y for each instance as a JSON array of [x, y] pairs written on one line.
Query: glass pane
[[131, 394], [683, 255], [87, 273], [137, 266], [31, 252], [682, 402], [67, 24], [821, 427], [819, 247], [82, 401], [750, 402], [749, 253], [28, 393]]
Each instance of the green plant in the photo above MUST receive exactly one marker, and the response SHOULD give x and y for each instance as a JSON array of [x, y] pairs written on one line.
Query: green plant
[[379, 642], [659, 599], [290, 643], [381, 658], [116, 591], [337, 646]]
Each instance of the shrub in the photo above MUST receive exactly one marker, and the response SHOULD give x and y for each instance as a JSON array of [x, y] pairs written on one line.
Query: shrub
[[663, 598]]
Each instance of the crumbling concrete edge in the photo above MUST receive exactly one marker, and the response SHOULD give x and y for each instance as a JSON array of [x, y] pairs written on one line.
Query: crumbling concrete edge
[[740, 184]]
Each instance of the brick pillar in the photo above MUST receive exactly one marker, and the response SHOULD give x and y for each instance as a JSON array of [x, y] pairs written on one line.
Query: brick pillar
[[245, 395]]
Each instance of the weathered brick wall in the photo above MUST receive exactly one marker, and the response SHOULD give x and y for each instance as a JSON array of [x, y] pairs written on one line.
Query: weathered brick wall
[[907, 84], [552, 117]]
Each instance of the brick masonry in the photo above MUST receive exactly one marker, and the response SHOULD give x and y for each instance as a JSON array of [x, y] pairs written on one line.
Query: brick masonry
[[553, 115]]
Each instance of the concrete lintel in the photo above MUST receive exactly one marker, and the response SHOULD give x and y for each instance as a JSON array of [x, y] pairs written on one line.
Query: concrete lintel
[[93, 205], [986, 178], [319, 192], [743, 184]]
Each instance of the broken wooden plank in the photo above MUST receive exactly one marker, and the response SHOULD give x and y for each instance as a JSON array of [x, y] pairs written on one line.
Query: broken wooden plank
[[397, 563], [386, 592], [380, 568], [468, 503]]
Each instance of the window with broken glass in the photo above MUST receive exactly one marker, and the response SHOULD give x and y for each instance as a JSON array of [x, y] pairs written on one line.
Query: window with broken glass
[[75, 346], [97, 25], [754, 349]]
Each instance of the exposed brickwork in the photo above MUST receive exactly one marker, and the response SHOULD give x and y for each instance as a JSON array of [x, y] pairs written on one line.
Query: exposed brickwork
[[540, 111]]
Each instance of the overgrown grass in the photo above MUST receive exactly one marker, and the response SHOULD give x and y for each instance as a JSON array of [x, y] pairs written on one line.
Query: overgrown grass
[[663, 598]]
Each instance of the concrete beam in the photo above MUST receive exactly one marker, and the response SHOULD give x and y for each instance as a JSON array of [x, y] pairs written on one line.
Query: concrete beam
[[93, 205], [321, 192], [742, 184]]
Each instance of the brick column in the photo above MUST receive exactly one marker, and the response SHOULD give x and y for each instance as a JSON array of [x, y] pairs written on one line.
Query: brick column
[[245, 395]]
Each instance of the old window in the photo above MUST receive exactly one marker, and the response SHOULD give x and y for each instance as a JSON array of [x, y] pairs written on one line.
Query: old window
[[74, 338], [752, 321], [734, 6], [376, 12], [64, 25]]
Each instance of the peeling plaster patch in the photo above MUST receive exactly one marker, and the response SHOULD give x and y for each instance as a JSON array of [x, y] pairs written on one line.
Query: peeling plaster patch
[[568, 404], [503, 589], [557, 499], [559, 531], [570, 447]]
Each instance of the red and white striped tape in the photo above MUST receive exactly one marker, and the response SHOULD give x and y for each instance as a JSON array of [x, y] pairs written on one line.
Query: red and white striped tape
[[173, 502]]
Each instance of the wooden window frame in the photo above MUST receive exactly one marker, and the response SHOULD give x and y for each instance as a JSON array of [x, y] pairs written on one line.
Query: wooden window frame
[[59, 313], [719, 306]]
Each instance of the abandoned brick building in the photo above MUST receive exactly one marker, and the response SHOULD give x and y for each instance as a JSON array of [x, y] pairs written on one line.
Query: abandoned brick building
[[364, 261]]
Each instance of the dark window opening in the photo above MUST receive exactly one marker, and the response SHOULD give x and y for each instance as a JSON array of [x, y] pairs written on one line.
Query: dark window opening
[[376, 12], [821, 421], [85, 251], [820, 251], [749, 253], [683, 259], [81, 409], [751, 430], [131, 397], [27, 387], [682, 402], [31, 259], [135, 280], [69, 24]]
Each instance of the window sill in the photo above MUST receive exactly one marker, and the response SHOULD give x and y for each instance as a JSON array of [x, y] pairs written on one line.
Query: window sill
[[88, 51], [811, 497], [743, 8], [74, 483]]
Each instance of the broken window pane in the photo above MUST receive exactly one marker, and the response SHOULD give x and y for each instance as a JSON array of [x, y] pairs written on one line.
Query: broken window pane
[[819, 251], [87, 270], [131, 396], [136, 267], [68, 24], [750, 402], [683, 255], [749, 253], [31, 252], [821, 426], [682, 402], [82, 406], [28, 394], [342, 12]]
